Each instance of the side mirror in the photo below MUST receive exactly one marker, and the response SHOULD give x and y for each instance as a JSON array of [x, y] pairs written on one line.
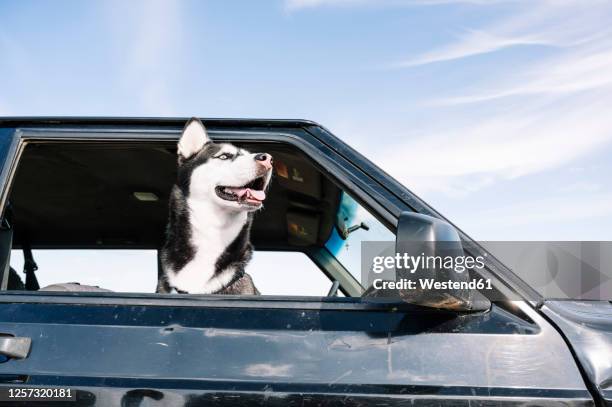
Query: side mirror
[[425, 236]]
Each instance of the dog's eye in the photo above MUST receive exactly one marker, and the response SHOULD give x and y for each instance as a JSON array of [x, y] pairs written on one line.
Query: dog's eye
[[224, 156]]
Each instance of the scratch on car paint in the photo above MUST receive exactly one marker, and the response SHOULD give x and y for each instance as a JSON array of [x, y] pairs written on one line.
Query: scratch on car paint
[[389, 360], [347, 342], [171, 328], [342, 376], [214, 332], [268, 391], [348, 345], [268, 370]]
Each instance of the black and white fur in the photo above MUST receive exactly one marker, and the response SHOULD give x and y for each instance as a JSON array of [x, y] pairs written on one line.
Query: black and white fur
[[207, 238]]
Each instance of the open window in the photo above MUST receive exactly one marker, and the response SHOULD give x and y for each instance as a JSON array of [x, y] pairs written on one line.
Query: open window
[[95, 213]]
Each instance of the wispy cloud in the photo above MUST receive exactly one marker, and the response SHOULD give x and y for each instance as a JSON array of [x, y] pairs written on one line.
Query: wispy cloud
[[293, 5], [473, 43], [503, 147], [559, 111], [588, 68], [561, 24], [542, 215], [152, 38]]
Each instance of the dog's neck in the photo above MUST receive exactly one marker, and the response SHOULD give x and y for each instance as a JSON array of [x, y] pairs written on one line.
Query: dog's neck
[[212, 230], [206, 217]]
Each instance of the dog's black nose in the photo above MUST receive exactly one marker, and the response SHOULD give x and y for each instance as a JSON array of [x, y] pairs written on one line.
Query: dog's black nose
[[264, 159]]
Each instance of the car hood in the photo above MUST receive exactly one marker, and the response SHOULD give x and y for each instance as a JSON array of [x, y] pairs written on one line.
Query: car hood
[[587, 325]]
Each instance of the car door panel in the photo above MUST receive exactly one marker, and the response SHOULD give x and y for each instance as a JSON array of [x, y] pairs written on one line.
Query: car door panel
[[347, 351]]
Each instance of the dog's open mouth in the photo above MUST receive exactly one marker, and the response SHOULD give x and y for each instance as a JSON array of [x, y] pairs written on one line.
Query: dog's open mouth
[[250, 194]]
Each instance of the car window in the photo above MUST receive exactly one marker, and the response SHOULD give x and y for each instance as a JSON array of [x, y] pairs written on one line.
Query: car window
[[276, 273], [287, 273], [115, 270], [96, 213], [354, 224]]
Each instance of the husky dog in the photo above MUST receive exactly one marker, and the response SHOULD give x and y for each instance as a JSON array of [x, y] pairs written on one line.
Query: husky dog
[[218, 188]]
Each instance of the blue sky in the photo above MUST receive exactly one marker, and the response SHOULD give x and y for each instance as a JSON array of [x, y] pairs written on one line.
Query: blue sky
[[498, 113]]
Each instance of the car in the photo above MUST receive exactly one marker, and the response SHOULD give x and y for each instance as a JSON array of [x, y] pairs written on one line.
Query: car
[[90, 195]]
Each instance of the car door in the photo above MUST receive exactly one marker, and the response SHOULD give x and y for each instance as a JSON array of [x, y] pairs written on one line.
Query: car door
[[110, 350], [149, 349]]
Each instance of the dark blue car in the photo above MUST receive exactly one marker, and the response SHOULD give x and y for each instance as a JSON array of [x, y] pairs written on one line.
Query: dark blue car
[[86, 200]]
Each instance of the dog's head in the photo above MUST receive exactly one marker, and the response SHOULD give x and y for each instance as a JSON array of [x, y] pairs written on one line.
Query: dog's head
[[230, 177]]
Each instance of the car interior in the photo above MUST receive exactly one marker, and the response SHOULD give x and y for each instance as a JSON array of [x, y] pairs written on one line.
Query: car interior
[[114, 195]]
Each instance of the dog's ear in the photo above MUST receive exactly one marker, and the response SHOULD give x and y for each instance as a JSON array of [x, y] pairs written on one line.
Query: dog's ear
[[193, 138]]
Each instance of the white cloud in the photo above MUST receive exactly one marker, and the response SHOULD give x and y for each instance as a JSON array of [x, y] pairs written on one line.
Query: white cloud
[[522, 141], [579, 216], [581, 187], [152, 39], [299, 4], [538, 23], [544, 113], [292, 5], [578, 71], [473, 43], [546, 109]]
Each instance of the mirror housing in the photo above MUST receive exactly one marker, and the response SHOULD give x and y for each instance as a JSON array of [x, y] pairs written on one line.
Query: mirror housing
[[421, 234]]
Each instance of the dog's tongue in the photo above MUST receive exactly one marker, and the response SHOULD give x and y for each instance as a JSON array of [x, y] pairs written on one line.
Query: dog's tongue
[[250, 193], [258, 195]]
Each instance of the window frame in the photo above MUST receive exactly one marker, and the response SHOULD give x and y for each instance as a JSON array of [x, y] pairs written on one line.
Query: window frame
[[373, 197], [370, 186]]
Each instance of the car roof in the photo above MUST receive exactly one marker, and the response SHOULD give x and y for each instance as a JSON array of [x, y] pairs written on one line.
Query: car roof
[[52, 121]]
